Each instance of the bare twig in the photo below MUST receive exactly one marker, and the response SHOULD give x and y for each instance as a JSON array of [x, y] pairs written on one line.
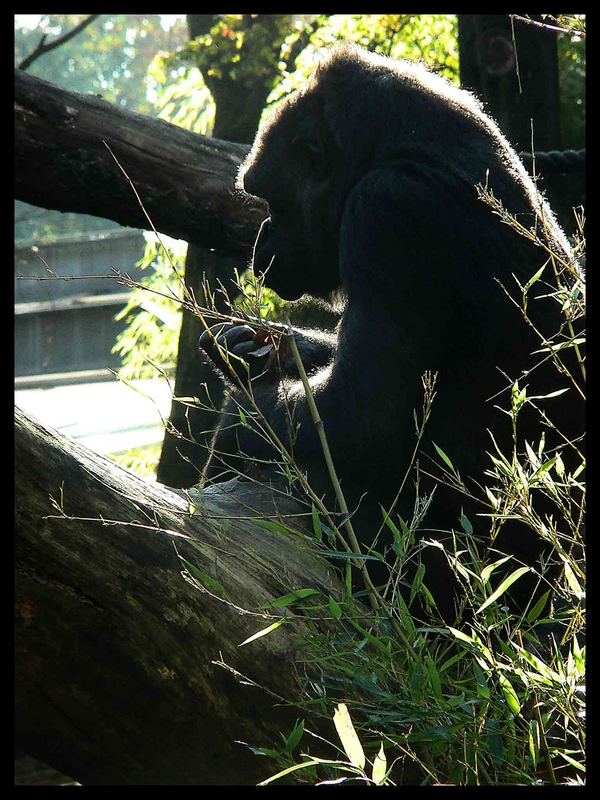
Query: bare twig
[[545, 25], [43, 48]]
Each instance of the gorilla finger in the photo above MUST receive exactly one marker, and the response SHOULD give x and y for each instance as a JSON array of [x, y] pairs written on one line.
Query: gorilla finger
[[208, 337], [253, 348], [237, 334]]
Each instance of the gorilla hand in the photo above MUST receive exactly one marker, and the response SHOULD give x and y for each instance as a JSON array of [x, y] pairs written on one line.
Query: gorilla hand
[[264, 355], [251, 354]]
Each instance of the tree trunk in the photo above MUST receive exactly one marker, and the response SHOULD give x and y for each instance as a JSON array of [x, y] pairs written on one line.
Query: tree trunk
[[185, 446], [513, 68], [185, 181], [119, 660], [189, 430]]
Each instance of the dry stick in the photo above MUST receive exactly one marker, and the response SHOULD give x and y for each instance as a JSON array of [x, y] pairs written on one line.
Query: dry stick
[[267, 431], [42, 47], [188, 300], [314, 413], [375, 599], [545, 26], [63, 277]]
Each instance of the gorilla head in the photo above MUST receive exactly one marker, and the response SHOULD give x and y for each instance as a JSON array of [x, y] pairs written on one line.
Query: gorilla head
[[304, 220], [358, 113]]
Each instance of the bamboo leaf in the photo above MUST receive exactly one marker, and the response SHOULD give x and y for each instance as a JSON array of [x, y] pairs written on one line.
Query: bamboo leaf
[[512, 700], [348, 737], [293, 739], [272, 527], [379, 767], [292, 597], [263, 632], [335, 608], [514, 576], [487, 571], [444, 457]]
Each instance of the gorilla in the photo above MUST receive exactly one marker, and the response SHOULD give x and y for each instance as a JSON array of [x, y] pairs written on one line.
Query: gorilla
[[370, 173]]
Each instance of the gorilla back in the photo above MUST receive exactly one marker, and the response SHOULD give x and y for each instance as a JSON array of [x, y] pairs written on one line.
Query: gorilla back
[[371, 175]]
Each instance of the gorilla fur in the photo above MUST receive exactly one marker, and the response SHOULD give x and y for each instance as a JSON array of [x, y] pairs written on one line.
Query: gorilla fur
[[370, 174]]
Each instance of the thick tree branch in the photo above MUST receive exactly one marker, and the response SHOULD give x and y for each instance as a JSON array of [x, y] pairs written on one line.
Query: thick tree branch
[[185, 181], [115, 651]]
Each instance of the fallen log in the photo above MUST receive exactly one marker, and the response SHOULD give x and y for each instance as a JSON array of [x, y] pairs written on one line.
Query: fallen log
[[126, 673]]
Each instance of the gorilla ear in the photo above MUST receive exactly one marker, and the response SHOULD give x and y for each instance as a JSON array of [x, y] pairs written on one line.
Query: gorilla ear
[[310, 153]]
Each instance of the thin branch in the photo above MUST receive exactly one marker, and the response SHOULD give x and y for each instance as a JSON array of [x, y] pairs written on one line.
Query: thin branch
[[43, 48], [546, 26]]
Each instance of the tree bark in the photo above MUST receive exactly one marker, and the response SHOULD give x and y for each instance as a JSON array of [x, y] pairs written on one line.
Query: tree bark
[[190, 429], [185, 446], [514, 69], [119, 676], [185, 181]]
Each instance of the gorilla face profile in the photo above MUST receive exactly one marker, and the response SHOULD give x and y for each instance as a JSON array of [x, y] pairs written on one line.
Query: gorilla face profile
[[371, 175]]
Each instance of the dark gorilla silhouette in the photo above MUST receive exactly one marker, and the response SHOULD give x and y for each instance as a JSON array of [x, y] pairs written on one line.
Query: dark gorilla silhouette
[[370, 174]]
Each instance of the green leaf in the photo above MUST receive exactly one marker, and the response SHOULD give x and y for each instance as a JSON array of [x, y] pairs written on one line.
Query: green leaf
[[348, 737], [303, 765], [272, 527], [550, 394], [292, 597], [426, 594], [263, 632], [460, 635], [293, 739], [577, 764], [205, 580], [533, 279], [390, 524], [537, 663], [574, 584], [514, 576], [532, 455], [512, 700], [492, 498], [316, 523], [444, 458], [434, 678], [561, 346], [379, 767], [545, 467], [495, 741], [487, 571], [416, 584], [335, 608], [534, 742], [466, 525], [518, 397], [264, 751], [538, 607]]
